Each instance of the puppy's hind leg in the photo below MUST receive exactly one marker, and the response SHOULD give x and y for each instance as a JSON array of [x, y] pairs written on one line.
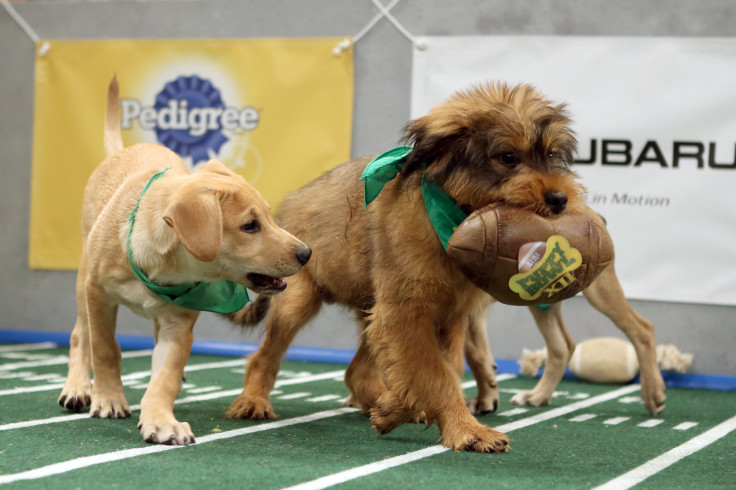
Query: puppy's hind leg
[[76, 394], [606, 295], [560, 347], [108, 398], [157, 423], [289, 312], [481, 363]]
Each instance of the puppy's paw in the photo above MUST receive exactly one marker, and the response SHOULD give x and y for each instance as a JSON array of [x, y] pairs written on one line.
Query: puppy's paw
[[483, 406], [247, 407], [113, 407], [419, 418], [389, 414], [652, 390], [476, 438], [531, 398], [654, 399], [76, 397], [350, 401], [385, 422], [167, 431]]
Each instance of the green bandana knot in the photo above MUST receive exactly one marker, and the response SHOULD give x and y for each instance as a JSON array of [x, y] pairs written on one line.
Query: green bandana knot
[[219, 297], [444, 214]]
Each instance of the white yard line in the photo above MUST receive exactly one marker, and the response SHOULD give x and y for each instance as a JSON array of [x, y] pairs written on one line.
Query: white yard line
[[203, 389], [369, 469], [54, 361], [499, 378], [211, 365], [654, 466], [126, 377], [513, 412], [685, 426], [31, 389], [179, 401], [60, 360], [583, 417], [294, 396], [24, 347], [324, 398], [78, 463]]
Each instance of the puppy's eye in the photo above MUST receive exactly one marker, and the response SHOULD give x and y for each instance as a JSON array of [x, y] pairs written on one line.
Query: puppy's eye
[[510, 159], [555, 156], [557, 159], [251, 227]]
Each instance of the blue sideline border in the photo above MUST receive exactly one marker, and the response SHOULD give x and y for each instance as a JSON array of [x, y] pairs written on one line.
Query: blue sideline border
[[337, 356]]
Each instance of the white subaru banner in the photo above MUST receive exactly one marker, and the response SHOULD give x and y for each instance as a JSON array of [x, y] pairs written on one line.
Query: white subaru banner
[[656, 123]]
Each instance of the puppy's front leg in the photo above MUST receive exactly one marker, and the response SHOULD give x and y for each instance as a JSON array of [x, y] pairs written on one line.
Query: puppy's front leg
[[157, 423], [77, 390], [108, 398], [419, 377]]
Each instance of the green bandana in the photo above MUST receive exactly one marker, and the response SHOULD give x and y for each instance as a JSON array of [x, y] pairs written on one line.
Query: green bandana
[[443, 213], [219, 297]]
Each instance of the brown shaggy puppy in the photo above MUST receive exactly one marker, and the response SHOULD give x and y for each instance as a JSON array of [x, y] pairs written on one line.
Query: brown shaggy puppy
[[492, 143]]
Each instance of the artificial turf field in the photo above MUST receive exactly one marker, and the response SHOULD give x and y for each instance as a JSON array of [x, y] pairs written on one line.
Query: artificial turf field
[[589, 436]]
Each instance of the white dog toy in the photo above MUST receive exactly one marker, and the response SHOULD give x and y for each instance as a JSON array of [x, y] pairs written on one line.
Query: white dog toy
[[607, 360]]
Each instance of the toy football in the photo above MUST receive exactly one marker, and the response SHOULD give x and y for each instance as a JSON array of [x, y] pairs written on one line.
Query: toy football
[[521, 258], [607, 360]]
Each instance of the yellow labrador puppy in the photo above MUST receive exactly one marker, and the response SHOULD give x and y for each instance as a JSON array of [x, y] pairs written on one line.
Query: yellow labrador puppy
[[167, 244]]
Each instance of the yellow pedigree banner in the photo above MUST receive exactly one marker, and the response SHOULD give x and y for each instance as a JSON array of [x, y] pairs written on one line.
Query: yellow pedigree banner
[[277, 111]]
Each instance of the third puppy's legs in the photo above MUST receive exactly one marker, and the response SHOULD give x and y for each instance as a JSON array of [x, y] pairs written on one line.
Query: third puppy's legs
[[560, 347], [481, 363], [606, 295]]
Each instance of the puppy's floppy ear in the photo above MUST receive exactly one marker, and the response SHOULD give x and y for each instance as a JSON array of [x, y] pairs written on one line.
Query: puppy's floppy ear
[[428, 148], [196, 217], [216, 167]]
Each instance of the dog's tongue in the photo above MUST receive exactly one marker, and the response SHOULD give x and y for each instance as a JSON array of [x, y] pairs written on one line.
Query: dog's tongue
[[529, 255]]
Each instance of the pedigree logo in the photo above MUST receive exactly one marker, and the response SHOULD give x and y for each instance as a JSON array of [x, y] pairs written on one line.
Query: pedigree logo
[[189, 117]]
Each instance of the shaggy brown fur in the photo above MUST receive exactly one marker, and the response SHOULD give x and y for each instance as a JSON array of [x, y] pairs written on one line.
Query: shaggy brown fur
[[492, 143]]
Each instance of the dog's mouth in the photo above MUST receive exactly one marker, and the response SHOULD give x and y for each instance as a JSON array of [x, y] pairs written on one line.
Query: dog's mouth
[[264, 284]]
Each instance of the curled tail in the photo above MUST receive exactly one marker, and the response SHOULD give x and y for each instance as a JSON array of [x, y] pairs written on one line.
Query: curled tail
[[113, 136], [251, 314]]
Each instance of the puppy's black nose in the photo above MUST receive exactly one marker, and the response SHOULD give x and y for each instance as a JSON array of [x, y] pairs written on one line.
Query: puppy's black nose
[[556, 201], [303, 254]]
